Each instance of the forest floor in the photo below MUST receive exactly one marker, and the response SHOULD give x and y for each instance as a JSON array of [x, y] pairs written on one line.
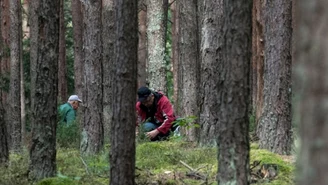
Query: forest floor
[[172, 162]]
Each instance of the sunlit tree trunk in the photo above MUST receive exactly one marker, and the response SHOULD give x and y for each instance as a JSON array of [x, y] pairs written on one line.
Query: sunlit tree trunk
[[311, 77], [62, 67], [274, 127], [142, 43], [122, 152], [210, 70], [189, 66], [156, 32], [108, 58], [44, 68], [14, 104], [93, 129]]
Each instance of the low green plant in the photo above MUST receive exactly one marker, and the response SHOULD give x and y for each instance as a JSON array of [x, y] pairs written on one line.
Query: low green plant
[[187, 122], [68, 135]]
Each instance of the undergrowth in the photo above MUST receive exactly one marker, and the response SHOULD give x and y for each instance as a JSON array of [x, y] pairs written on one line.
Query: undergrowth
[[166, 163]]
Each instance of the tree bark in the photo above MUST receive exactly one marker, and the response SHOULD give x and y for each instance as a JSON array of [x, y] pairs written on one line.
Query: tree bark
[[44, 68], [62, 67], [122, 153], [156, 33], [311, 77], [210, 69], [274, 128], [108, 59], [233, 93], [93, 129], [175, 56], [77, 20], [14, 104], [142, 45], [189, 71]]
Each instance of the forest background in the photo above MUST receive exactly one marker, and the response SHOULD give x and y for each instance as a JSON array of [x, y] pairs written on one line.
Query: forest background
[[226, 66]]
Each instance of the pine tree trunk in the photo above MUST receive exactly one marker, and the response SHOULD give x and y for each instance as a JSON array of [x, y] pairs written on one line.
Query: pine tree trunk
[[233, 92], [156, 33], [14, 104], [122, 153], [108, 59], [210, 70], [189, 77], [93, 129], [274, 128], [62, 67], [175, 56], [142, 45], [311, 77], [44, 68]]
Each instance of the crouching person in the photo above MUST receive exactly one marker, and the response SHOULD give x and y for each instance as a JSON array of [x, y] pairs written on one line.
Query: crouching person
[[156, 114]]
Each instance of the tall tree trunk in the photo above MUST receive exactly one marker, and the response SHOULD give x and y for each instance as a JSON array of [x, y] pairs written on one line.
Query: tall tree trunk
[[44, 68], [257, 59], [311, 77], [108, 59], [4, 151], [175, 55], [122, 153], [274, 128], [142, 44], [189, 70], [233, 92], [5, 59], [156, 33], [14, 104], [211, 55], [62, 67], [93, 129], [77, 20]]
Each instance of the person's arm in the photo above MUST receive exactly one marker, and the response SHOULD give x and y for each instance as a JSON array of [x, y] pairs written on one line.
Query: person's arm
[[70, 117], [168, 114]]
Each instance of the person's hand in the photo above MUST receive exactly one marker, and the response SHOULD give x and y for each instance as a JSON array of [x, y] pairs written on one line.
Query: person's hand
[[152, 134]]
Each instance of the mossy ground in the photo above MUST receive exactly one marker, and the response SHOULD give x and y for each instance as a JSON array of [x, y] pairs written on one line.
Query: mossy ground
[[156, 163]]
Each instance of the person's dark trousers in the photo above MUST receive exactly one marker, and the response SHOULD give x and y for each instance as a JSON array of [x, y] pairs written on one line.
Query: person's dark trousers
[[149, 126]]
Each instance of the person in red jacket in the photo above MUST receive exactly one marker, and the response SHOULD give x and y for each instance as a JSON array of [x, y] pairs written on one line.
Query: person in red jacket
[[156, 114]]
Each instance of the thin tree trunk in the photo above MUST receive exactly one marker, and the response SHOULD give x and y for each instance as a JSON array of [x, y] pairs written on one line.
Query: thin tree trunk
[[142, 47], [44, 80], [175, 56], [14, 104], [62, 67], [156, 33], [108, 59], [122, 153]]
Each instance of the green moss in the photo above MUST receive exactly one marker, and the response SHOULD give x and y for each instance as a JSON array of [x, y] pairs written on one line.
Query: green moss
[[57, 181]]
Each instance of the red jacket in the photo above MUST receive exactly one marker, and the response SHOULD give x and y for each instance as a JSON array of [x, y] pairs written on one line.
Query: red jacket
[[164, 114]]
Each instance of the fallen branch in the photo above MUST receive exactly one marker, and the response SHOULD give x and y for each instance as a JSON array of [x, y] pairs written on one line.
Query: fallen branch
[[86, 166], [193, 172]]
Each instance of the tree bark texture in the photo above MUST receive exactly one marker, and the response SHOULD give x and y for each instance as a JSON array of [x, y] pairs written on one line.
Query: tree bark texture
[[175, 56], [156, 34], [210, 69], [311, 79], [5, 59], [93, 129], [14, 104], [122, 153], [257, 69], [108, 59], [77, 20], [233, 93], [62, 67], [189, 71], [44, 68], [4, 150], [142, 46], [274, 128]]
